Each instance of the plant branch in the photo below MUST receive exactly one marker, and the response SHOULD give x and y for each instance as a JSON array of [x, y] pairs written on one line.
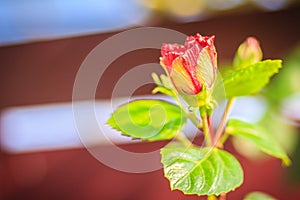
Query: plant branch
[[222, 124], [181, 137]]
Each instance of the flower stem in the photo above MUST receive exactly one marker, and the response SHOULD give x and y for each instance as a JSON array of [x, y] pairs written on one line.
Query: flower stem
[[222, 124], [211, 131], [206, 129]]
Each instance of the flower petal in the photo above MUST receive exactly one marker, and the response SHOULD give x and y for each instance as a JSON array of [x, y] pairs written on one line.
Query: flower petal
[[170, 52], [183, 79], [200, 58], [191, 66], [206, 70]]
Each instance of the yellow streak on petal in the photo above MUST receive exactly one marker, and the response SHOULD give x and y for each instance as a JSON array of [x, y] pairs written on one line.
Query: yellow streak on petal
[[180, 77]]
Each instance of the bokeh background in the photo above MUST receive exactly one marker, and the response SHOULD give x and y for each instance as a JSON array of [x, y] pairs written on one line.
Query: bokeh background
[[42, 45]]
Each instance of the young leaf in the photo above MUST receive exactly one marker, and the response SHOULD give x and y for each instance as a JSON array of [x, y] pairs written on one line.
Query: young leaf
[[257, 136], [200, 171], [251, 79], [258, 196], [166, 81], [148, 119]]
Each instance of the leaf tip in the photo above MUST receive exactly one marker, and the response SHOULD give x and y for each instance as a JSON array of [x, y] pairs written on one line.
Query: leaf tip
[[109, 121], [155, 90]]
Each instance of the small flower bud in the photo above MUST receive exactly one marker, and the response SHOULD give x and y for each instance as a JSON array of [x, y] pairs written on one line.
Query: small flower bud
[[248, 53]]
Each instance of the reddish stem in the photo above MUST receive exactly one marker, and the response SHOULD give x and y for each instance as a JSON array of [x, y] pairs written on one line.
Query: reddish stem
[[222, 196], [211, 131]]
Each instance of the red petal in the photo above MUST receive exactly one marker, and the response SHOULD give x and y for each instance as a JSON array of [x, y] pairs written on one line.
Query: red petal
[[203, 41], [170, 52], [187, 65]]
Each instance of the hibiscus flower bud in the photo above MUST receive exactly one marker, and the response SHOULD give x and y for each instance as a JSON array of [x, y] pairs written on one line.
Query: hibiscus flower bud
[[192, 65], [248, 53]]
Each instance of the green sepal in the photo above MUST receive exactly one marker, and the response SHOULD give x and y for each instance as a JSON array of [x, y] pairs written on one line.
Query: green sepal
[[162, 90], [164, 85]]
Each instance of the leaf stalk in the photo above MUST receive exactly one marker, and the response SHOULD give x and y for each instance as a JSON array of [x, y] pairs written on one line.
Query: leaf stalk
[[222, 124]]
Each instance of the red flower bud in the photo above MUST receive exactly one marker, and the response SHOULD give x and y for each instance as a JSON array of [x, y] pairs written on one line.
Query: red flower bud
[[191, 65]]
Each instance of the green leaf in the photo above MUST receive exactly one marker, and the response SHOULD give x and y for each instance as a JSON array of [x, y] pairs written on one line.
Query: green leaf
[[249, 80], [148, 119], [258, 196], [257, 136], [200, 171]]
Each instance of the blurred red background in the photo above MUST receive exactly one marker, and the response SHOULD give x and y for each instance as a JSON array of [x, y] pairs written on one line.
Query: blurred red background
[[44, 72]]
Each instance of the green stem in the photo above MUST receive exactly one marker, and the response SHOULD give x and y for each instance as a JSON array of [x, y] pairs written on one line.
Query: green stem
[[206, 129], [183, 139], [222, 124], [223, 138], [194, 119]]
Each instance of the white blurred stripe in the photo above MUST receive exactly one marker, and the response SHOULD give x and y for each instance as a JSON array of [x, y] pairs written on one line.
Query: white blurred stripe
[[52, 126]]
